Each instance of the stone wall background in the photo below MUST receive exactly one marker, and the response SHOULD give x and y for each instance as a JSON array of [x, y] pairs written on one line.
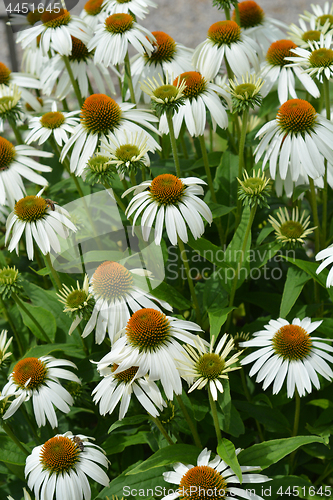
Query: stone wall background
[[187, 21]]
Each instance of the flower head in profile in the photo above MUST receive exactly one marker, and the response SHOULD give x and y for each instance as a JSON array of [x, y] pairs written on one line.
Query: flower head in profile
[[151, 341], [245, 95], [226, 41], [23, 81], [210, 476], [16, 162], [116, 293], [41, 220], [61, 465], [165, 97], [119, 387], [99, 170], [316, 60], [207, 367], [128, 152], [138, 7], [4, 345], [254, 190], [326, 256], [297, 140], [10, 108], [256, 25], [291, 229], [170, 200], [112, 38], [276, 69], [288, 352], [10, 281], [55, 124], [78, 302], [101, 117], [303, 34], [37, 378], [320, 14]]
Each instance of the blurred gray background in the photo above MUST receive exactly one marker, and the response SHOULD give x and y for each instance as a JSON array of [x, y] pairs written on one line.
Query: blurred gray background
[[187, 21]]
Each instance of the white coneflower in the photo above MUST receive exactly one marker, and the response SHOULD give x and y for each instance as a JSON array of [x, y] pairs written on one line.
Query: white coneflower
[[277, 69], [303, 34], [213, 478], [23, 81], [170, 200], [116, 294], [16, 162], [317, 60], [37, 378], [119, 387], [207, 367], [112, 38], [41, 221], [54, 123], [201, 97], [150, 341], [4, 344], [165, 96], [326, 256], [287, 351], [298, 140], [168, 57], [225, 39], [102, 116], [78, 302], [138, 7], [319, 14], [264, 30], [58, 469], [56, 29], [291, 229], [93, 13], [10, 108], [55, 78]]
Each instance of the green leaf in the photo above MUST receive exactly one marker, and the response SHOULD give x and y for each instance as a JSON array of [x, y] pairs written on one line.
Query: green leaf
[[271, 418], [171, 295], [141, 486], [136, 419], [43, 350], [270, 452], [226, 179], [219, 210], [267, 230], [294, 285], [214, 159], [217, 318], [184, 453], [10, 453], [261, 255], [298, 190], [208, 251], [43, 317], [118, 442], [227, 452]]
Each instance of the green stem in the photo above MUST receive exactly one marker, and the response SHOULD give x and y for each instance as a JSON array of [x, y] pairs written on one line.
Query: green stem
[[211, 185], [74, 82], [16, 131], [241, 162], [315, 214], [21, 306], [12, 326], [65, 105], [143, 173], [239, 266], [129, 78], [227, 12], [12, 436], [326, 85], [53, 271], [248, 397], [189, 421], [237, 14], [119, 81], [83, 340], [215, 417], [118, 200], [297, 413], [161, 428], [189, 280], [173, 143]]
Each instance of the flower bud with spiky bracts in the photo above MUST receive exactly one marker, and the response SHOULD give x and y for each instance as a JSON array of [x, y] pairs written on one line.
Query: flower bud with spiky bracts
[[254, 190], [10, 281], [221, 4], [99, 170], [78, 302], [245, 95], [165, 97]]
